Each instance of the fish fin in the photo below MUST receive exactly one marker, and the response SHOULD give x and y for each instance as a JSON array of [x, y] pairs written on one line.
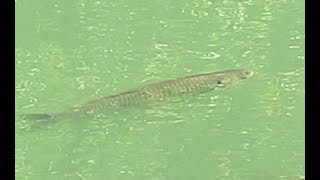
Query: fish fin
[[38, 116]]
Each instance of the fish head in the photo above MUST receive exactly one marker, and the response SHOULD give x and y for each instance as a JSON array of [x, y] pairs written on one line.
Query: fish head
[[230, 77], [244, 73]]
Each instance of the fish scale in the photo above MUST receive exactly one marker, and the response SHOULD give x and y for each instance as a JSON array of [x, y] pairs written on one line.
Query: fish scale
[[156, 92]]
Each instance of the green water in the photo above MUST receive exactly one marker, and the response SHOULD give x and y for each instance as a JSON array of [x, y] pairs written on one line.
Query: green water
[[69, 52]]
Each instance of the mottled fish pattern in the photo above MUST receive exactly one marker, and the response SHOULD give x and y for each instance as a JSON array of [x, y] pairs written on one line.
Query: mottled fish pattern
[[156, 92]]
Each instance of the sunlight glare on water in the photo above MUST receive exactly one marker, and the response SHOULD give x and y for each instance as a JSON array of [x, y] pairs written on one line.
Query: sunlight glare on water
[[70, 52]]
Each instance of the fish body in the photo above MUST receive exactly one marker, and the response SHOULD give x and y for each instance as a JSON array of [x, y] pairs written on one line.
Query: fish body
[[158, 91]]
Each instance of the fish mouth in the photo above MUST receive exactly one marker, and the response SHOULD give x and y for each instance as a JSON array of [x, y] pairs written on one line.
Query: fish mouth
[[247, 73]]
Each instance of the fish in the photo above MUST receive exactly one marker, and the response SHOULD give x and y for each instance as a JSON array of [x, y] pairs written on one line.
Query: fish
[[198, 83]]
